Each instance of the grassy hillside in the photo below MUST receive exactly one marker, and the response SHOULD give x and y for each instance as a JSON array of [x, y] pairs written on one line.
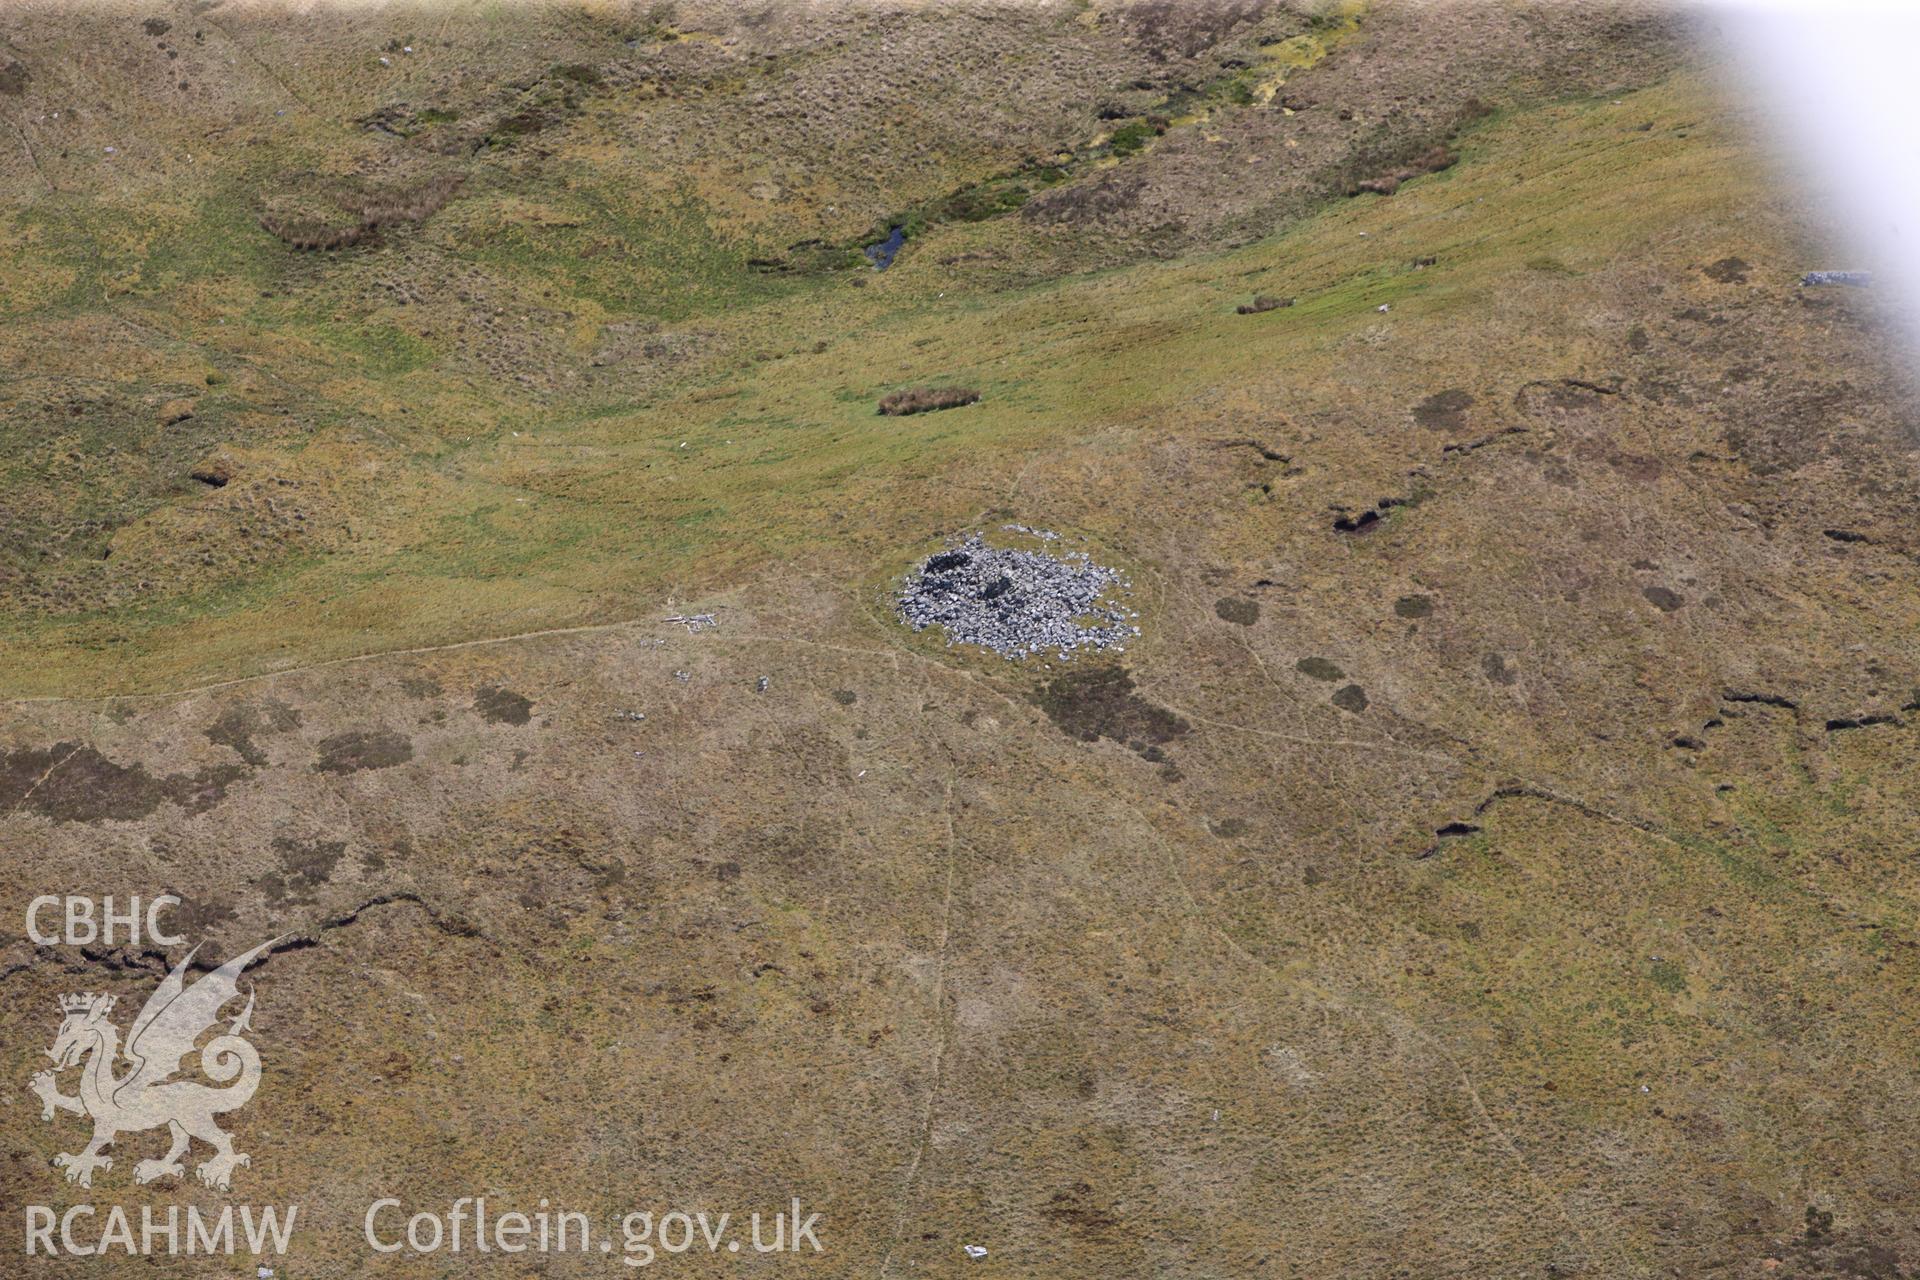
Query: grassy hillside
[[1492, 861], [374, 468]]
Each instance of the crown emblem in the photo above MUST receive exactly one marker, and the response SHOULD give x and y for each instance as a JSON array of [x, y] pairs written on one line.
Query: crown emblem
[[86, 1002]]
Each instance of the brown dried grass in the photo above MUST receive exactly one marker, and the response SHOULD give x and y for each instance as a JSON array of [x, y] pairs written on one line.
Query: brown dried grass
[[926, 399]]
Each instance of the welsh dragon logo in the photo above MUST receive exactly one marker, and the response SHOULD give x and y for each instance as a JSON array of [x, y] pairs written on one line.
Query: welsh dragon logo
[[147, 1096]]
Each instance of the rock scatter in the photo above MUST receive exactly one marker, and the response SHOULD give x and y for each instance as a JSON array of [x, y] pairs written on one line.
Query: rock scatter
[[1019, 602]]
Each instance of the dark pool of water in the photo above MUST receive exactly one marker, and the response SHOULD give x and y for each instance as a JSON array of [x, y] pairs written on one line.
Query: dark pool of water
[[881, 254]]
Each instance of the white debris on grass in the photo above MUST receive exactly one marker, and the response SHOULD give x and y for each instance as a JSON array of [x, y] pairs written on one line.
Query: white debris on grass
[[1018, 603], [974, 1251]]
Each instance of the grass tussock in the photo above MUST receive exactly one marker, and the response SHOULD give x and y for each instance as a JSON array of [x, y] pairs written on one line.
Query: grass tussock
[[1262, 302], [926, 399]]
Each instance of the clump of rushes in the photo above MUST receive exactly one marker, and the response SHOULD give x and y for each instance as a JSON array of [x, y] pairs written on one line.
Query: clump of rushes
[[1262, 302], [1432, 160], [414, 204], [1130, 137], [925, 399]]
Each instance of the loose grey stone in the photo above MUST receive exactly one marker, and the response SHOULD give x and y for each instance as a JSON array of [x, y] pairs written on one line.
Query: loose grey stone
[[1018, 602]]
